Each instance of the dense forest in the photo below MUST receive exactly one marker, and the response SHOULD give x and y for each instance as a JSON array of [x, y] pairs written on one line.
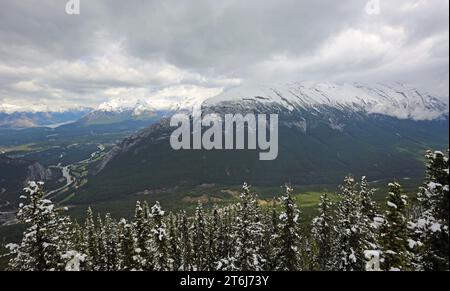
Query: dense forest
[[350, 234]]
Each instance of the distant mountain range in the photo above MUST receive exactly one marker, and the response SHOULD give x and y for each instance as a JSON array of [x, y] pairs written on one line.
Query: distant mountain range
[[101, 117], [326, 131], [138, 116], [395, 100], [39, 119]]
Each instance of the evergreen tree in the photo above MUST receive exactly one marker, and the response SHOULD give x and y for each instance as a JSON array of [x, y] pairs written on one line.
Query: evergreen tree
[[91, 241], [394, 232], [65, 229], [290, 237], [371, 221], [76, 237], [110, 239], [174, 243], [324, 234], [214, 227], [369, 207], [75, 255], [128, 249], [159, 240], [226, 240], [102, 260], [351, 229], [431, 228], [141, 227], [199, 241], [185, 243], [248, 232], [42, 247], [307, 251], [270, 246]]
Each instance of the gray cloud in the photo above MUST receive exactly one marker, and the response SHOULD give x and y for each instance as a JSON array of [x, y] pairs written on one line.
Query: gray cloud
[[126, 48]]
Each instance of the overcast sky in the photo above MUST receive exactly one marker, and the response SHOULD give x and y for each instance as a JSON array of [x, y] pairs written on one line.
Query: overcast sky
[[142, 48]]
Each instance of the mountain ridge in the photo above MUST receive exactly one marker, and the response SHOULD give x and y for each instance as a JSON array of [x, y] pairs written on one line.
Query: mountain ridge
[[39, 119], [392, 99], [395, 100]]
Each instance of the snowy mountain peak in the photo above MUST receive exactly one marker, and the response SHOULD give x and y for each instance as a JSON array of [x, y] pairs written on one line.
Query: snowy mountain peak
[[118, 105], [395, 100]]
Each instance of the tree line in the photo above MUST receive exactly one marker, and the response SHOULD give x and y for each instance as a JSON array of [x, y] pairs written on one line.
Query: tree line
[[351, 234]]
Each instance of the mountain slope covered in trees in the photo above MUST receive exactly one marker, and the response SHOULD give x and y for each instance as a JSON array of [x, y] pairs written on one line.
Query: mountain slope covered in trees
[[311, 151]]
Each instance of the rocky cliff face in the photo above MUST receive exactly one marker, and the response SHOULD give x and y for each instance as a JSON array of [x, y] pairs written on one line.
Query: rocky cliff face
[[37, 172], [15, 174]]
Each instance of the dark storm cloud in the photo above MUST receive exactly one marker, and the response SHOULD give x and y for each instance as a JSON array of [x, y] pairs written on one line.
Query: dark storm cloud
[[138, 47]]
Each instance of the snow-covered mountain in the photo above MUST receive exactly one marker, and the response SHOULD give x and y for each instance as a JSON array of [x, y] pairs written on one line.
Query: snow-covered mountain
[[394, 100], [123, 110], [125, 104]]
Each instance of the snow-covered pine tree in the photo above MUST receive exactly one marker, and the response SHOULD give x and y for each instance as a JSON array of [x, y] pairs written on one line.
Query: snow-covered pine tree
[[76, 237], [91, 239], [248, 232], [75, 256], [431, 243], [185, 242], [65, 229], [324, 233], [199, 240], [307, 250], [369, 206], [394, 232], [351, 229], [101, 264], [141, 227], [290, 236], [214, 226], [174, 243], [146, 210], [128, 248], [42, 247], [159, 239], [371, 221], [226, 240], [110, 239], [270, 244]]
